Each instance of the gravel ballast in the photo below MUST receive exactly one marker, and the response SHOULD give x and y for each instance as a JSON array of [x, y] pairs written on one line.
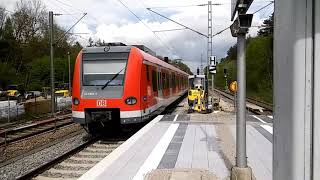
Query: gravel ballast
[[26, 164]]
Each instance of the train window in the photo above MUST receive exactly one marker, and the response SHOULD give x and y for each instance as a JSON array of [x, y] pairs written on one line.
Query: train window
[[154, 81], [164, 81], [95, 72], [177, 81], [167, 80], [147, 67], [172, 80], [159, 80], [181, 82]]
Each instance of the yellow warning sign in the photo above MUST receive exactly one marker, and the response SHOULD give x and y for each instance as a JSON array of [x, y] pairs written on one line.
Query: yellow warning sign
[[233, 86]]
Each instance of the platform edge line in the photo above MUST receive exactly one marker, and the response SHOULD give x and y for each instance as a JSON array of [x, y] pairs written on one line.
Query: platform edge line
[[157, 153], [259, 119], [99, 168]]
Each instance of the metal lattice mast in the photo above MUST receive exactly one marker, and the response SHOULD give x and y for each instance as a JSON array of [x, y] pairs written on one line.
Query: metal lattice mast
[[201, 66], [209, 53]]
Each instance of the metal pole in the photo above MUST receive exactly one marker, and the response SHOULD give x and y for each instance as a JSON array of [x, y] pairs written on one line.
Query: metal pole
[[69, 67], [226, 81], [8, 109], [212, 76], [209, 41], [201, 67], [235, 102], [51, 63], [241, 156]]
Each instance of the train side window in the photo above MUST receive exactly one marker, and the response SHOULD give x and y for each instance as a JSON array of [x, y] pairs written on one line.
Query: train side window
[[159, 80], [167, 80], [147, 67], [154, 81], [172, 80], [163, 81]]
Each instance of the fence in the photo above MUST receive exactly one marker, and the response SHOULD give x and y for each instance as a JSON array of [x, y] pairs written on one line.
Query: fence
[[39, 107], [10, 109]]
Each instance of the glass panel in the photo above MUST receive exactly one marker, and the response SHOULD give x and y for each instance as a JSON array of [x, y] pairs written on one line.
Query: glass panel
[[98, 73]]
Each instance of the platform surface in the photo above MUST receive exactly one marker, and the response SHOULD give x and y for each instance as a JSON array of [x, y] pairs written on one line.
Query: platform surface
[[198, 141]]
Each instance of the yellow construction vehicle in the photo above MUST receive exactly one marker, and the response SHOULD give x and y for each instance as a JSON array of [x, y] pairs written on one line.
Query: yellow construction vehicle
[[198, 99]]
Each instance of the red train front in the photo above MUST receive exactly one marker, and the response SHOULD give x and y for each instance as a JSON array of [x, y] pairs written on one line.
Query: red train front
[[122, 84]]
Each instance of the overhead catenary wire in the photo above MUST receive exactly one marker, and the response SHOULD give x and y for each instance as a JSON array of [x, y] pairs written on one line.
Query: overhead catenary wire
[[263, 7], [165, 30], [77, 9], [202, 5], [70, 29], [65, 12], [61, 2], [193, 5], [178, 23], [164, 35], [144, 24], [221, 31]]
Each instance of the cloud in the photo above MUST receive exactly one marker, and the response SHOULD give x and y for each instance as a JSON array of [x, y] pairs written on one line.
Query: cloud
[[110, 21]]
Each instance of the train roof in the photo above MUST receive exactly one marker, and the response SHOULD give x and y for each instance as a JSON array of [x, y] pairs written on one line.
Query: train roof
[[194, 76], [146, 55], [160, 62], [101, 49]]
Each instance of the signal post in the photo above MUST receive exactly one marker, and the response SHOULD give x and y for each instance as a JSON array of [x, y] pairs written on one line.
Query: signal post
[[239, 29]]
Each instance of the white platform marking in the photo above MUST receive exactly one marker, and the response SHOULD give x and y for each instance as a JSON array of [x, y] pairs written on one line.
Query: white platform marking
[[268, 128], [175, 118], [259, 119], [99, 168], [271, 117], [157, 153]]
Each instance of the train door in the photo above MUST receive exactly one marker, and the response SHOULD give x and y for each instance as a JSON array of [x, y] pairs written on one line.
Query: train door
[[146, 91], [154, 79], [143, 90]]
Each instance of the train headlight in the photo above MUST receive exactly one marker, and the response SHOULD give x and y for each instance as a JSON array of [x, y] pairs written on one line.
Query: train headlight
[[76, 101], [131, 101]]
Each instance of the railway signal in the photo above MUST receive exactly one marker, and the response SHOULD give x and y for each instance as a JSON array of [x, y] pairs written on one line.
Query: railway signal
[[239, 28], [233, 87], [213, 65], [225, 75]]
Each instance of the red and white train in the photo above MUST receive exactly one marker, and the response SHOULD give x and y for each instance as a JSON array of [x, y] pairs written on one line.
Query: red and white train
[[123, 84]]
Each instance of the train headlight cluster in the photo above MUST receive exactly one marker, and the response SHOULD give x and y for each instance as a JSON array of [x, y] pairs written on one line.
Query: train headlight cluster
[[76, 101], [131, 101]]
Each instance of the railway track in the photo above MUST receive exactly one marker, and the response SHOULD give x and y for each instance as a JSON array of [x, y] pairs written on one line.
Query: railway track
[[264, 108], [14, 134], [74, 163]]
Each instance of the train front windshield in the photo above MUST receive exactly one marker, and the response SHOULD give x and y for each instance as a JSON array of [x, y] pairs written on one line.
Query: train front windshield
[[100, 68], [195, 81]]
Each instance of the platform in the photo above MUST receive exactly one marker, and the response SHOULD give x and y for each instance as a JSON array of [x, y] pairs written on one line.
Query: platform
[[183, 141]]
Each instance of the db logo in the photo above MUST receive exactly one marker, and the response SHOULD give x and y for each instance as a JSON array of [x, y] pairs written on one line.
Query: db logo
[[102, 103]]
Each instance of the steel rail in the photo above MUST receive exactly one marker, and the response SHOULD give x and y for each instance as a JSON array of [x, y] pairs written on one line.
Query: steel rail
[[29, 130]]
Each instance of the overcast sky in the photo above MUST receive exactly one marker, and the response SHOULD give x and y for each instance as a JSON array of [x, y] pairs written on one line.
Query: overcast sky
[[110, 21]]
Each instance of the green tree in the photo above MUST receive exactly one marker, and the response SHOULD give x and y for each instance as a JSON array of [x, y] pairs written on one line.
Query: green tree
[[179, 64], [24, 47], [267, 27], [7, 74], [259, 66]]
